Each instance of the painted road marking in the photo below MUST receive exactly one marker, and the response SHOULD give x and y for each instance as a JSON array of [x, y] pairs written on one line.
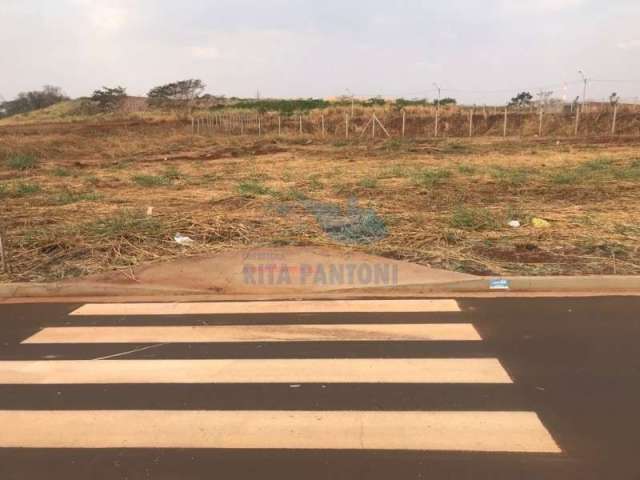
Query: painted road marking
[[413, 370], [319, 306], [259, 333], [449, 431]]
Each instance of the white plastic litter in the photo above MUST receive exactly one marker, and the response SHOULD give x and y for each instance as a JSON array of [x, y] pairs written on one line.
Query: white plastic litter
[[183, 240], [514, 224]]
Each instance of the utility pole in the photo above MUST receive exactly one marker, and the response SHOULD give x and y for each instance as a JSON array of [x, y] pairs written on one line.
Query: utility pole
[[437, 108], [584, 91]]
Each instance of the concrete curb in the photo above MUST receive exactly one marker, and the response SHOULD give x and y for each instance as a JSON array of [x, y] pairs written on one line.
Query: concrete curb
[[597, 284], [35, 290]]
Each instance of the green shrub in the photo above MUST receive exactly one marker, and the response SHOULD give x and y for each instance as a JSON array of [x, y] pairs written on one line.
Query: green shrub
[[22, 162], [431, 177], [251, 188], [23, 189], [152, 180]]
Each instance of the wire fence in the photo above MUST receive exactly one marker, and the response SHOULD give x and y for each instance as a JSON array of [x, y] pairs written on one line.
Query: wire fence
[[413, 122]]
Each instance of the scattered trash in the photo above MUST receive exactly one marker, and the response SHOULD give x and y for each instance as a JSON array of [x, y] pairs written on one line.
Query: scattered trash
[[514, 224], [182, 240], [149, 211], [540, 223], [499, 284], [294, 386]]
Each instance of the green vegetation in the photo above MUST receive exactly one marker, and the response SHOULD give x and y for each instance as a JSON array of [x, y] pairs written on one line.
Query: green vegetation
[[22, 161], [23, 189], [315, 183], [284, 106], [290, 195], [469, 218], [396, 171], [513, 177], [109, 99], [368, 182], [597, 170], [167, 178], [125, 223], [61, 172], [466, 169], [431, 177], [67, 197], [33, 100], [252, 188]]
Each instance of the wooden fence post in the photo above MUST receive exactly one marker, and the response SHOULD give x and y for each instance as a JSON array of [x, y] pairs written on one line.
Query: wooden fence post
[[4, 251], [259, 126], [540, 122], [577, 120], [300, 124], [471, 123], [346, 125], [615, 116], [322, 120], [504, 127], [403, 122], [375, 117], [437, 118]]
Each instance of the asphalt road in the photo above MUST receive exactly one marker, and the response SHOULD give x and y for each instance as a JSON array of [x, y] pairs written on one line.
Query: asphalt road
[[572, 362]]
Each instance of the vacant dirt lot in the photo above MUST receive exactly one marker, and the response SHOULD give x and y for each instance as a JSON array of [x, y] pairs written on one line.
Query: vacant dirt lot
[[85, 198]]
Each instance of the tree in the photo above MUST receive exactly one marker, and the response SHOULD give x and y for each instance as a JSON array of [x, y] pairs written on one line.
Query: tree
[[182, 92], [109, 99], [448, 101], [523, 99], [33, 100]]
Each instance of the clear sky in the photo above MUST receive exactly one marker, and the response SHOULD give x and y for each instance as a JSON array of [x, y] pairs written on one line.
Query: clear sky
[[479, 51]]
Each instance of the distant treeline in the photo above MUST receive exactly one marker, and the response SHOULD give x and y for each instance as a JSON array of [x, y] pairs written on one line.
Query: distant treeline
[[188, 95]]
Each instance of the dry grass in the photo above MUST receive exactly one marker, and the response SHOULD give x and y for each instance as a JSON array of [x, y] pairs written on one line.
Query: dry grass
[[81, 206]]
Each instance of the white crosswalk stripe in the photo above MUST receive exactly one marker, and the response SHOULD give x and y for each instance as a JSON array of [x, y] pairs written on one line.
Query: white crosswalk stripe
[[259, 333], [481, 431], [310, 306], [350, 370], [456, 431]]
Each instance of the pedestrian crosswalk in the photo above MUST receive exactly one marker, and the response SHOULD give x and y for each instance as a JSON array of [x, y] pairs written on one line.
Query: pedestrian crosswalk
[[517, 431]]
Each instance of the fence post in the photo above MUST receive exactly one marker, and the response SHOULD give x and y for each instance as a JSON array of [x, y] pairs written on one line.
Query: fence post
[[322, 120], [300, 116], [279, 125], [577, 120], [346, 125], [4, 251], [373, 126], [471, 123], [437, 118], [540, 122], [375, 117], [504, 127], [403, 122], [615, 116], [259, 126]]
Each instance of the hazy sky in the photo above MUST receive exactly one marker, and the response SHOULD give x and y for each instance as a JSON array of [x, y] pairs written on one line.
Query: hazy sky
[[477, 50]]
